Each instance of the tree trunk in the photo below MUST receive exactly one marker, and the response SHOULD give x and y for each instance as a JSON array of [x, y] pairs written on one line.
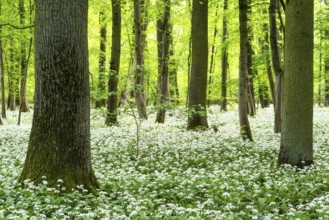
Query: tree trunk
[[2, 74], [174, 90], [112, 102], [11, 77], [276, 62], [296, 146], [198, 83], [251, 91], [223, 106], [59, 146], [23, 98], [212, 57], [243, 71], [140, 97], [163, 59], [268, 64], [101, 101]]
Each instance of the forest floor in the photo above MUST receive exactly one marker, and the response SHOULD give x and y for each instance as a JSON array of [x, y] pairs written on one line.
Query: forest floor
[[174, 173]]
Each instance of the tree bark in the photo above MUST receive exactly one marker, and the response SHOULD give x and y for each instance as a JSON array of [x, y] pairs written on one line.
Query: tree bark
[[223, 106], [140, 96], [101, 101], [276, 62], [296, 146], [59, 145], [163, 59], [11, 77], [243, 71], [198, 83], [112, 102]]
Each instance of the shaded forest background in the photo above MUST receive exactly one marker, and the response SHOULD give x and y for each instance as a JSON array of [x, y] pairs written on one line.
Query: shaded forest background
[[16, 34]]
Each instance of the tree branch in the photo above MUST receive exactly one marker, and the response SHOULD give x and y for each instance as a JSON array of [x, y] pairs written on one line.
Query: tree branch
[[15, 26]]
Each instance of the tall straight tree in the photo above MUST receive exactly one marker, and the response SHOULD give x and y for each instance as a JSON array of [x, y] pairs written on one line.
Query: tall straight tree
[[2, 74], [112, 101], [102, 59], [139, 26], [297, 114], [59, 146], [243, 71], [24, 65], [163, 35], [198, 82], [277, 67], [223, 106]]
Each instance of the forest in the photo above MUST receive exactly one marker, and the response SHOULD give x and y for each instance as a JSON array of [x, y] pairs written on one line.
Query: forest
[[164, 109]]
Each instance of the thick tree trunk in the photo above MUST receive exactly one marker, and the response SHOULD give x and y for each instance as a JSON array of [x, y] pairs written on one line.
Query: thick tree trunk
[[101, 101], [59, 146], [23, 98], [223, 106], [243, 71], [140, 96], [198, 83], [276, 62], [112, 102], [297, 125], [163, 59]]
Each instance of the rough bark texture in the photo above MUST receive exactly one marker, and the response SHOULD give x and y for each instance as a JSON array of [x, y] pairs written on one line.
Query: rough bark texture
[[223, 106], [163, 59], [198, 83], [243, 71], [101, 101], [276, 62], [2, 74], [140, 97], [23, 98], [112, 101], [297, 124], [59, 145]]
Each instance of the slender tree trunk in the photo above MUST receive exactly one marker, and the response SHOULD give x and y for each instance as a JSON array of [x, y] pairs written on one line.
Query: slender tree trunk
[[251, 74], [2, 74], [59, 146], [243, 71], [198, 83], [212, 57], [23, 81], [164, 92], [189, 58], [268, 65], [320, 71], [296, 146], [223, 106], [23, 98], [11, 77], [276, 62], [112, 102], [174, 90], [140, 96], [101, 101]]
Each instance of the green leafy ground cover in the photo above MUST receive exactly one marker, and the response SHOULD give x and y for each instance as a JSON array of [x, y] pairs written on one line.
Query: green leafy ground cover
[[178, 174]]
